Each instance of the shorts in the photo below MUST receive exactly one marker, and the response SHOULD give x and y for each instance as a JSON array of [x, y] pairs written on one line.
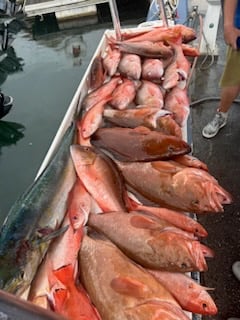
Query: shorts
[[231, 73]]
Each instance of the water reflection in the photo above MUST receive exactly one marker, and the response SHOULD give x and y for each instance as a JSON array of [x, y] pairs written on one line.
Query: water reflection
[[9, 61], [10, 133], [47, 23]]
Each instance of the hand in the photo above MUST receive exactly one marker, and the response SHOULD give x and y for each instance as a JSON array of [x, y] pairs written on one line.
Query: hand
[[230, 35]]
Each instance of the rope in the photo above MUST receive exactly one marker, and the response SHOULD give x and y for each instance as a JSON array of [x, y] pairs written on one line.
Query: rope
[[207, 99]]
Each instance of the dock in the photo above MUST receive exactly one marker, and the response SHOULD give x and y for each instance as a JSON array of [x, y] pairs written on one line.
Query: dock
[[64, 9]]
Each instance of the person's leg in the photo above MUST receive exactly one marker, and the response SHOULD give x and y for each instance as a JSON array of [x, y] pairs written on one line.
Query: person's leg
[[230, 88], [228, 95]]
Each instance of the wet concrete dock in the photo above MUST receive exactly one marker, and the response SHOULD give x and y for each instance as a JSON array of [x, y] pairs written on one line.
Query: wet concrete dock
[[222, 155]]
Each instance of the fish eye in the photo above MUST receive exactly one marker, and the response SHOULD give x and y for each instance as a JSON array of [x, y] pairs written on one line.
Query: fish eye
[[195, 202], [204, 305]]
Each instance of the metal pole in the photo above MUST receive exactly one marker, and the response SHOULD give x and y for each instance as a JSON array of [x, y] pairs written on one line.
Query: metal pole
[[163, 12], [115, 19]]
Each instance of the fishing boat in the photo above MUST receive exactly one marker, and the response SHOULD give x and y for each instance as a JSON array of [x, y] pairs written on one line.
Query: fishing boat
[[69, 121]]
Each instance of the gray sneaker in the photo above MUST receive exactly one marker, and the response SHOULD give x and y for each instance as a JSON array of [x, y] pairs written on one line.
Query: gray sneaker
[[236, 269], [212, 128]]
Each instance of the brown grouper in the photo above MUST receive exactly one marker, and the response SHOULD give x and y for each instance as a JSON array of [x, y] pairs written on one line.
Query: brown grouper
[[139, 144]]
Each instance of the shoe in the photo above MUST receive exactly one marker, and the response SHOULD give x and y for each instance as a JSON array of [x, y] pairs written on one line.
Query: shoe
[[5, 104], [212, 128], [236, 269], [7, 101]]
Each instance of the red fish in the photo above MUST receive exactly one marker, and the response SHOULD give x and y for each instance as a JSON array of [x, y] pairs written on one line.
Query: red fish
[[80, 139], [124, 94], [123, 290], [162, 34], [190, 295], [92, 119], [101, 93], [96, 75], [149, 94], [111, 60], [153, 243], [138, 144], [190, 51], [191, 161], [150, 117], [183, 65], [152, 70], [100, 177], [172, 186], [130, 66], [177, 102], [171, 76], [70, 300], [64, 249], [142, 115], [168, 125], [79, 205], [177, 218]]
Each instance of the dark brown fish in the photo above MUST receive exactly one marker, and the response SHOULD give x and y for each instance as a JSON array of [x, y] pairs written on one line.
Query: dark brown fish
[[139, 144], [146, 49]]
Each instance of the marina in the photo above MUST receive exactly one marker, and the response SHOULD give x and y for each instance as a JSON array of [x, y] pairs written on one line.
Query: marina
[[42, 73]]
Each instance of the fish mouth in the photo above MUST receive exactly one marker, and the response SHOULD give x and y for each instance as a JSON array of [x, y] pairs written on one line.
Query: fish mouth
[[217, 197], [208, 306]]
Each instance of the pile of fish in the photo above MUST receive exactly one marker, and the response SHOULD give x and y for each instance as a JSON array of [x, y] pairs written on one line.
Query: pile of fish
[[126, 240]]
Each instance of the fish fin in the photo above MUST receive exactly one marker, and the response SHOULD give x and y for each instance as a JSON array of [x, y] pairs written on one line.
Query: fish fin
[[164, 166], [208, 289], [142, 129], [64, 274], [59, 296], [49, 236], [143, 222], [207, 252], [129, 286]]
